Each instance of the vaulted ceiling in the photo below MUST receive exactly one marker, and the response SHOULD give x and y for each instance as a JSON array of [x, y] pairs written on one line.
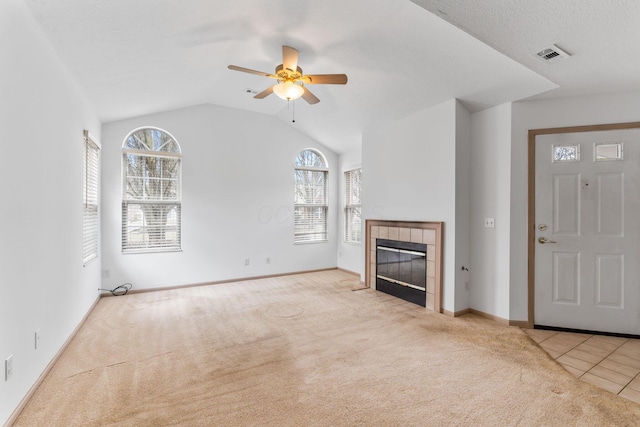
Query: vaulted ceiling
[[135, 57]]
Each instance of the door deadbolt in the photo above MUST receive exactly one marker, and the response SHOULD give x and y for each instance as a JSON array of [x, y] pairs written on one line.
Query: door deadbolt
[[542, 227]]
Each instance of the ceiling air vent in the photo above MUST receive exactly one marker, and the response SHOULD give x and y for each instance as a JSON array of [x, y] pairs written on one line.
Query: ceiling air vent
[[552, 54]]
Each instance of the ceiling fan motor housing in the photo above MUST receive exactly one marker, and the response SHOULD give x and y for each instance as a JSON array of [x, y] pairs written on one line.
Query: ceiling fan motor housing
[[285, 74]]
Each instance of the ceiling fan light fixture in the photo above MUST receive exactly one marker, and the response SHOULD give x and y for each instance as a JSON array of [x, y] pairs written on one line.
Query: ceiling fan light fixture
[[288, 90]]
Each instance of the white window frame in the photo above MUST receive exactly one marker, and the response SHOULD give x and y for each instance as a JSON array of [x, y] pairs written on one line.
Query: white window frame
[[138, 207], [352, 207], [311, 217], [90, 198]]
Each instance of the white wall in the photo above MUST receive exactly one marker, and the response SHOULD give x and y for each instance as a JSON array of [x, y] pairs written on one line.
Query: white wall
[[490, 198], [463, 206], [237, 174], [577, 111], [409, 169], [42, 282], [350, 255]]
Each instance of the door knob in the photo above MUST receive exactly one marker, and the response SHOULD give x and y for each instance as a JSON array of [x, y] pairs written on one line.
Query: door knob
[[544, 240]]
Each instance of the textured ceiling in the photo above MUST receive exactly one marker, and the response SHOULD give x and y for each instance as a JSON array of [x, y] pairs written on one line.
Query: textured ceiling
[[134, 57], [602, 37]]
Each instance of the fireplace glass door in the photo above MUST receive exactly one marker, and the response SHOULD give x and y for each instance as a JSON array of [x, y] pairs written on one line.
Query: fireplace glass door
[[401, 269]]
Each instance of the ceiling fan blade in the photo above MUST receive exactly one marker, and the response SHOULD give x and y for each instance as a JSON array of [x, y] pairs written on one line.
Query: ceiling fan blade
[[289, 58], [250, 71], [268, 91], [309, 97], [325, 79]]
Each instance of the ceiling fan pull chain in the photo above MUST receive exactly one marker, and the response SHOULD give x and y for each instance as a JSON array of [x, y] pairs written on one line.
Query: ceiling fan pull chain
[[293, 107]]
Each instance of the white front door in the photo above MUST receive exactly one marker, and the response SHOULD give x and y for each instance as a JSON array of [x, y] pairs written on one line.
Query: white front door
[[587, 237]]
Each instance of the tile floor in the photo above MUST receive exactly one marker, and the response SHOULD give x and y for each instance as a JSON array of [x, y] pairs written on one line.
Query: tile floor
[[610, 363]]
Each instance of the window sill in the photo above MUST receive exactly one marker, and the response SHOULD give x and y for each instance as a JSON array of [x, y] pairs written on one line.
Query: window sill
[[311, 242], [86, 261], [149, 251]]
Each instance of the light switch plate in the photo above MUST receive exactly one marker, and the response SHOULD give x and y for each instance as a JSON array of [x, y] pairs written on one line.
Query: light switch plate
[[489, 223], [8, 367]]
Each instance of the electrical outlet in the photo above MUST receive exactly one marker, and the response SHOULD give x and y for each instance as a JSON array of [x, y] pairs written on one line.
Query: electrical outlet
[[37, 338], [8, 367], [267, 260], [489, 223], [246, 261]]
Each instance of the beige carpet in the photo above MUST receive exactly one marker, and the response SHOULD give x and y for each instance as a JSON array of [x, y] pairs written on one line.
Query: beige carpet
[[306, 350]]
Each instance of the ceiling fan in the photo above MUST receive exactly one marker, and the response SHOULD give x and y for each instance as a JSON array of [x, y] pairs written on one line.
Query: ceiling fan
[[291, 81]]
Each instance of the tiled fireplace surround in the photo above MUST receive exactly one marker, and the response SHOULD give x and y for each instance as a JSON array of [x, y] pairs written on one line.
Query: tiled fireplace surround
[[429, 233]]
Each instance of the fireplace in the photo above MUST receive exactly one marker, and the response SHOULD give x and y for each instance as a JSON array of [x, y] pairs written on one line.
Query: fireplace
[[421, 270], [401, 270]]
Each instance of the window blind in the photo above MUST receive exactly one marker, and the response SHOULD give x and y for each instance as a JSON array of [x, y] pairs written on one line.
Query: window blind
[[151, 225], [352, 206], [310, 223], [90, 219]]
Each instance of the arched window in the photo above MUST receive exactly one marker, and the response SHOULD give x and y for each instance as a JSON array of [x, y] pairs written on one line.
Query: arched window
[[310, 202], [151, 192]]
